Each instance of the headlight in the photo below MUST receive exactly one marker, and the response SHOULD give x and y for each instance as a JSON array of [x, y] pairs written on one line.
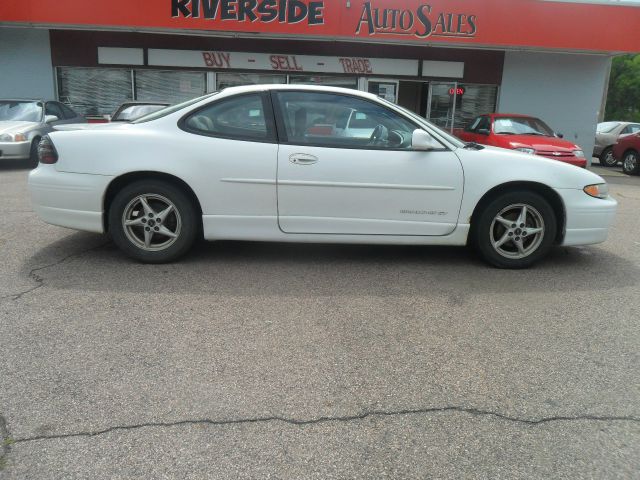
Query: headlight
[[530, 151], [600, 190], [578, 153], [16, 137]]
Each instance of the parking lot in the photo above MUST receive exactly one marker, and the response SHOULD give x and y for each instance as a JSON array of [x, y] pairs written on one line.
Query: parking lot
[[315, 361]]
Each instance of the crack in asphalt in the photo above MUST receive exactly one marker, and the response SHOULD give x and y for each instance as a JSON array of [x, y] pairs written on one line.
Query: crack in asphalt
[[41, 281], [348, 418], [5, 443]]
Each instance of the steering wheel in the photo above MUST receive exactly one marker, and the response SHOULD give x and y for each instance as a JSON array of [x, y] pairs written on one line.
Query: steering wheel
[[379, 136]]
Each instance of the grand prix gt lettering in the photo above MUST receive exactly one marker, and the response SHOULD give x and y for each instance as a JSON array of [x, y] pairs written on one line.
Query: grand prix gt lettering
[[263, 11], [423, 22]]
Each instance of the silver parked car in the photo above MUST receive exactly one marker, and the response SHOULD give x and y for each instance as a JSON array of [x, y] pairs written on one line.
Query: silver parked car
[[607, 135], [24, 122]]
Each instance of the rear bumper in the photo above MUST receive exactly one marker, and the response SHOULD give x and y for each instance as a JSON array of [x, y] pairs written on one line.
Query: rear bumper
[[14, 150], [597, 150], [588, 219], [70, 200]]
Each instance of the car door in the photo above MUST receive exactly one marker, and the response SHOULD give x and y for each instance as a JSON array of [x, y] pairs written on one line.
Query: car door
[[346, 166]]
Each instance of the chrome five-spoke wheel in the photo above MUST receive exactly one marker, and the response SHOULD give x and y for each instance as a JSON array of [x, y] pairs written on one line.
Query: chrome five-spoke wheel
[[151, 222], [517, 231]]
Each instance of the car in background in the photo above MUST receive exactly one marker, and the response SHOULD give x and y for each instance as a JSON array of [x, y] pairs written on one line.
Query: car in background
[[522, 133], [24, 122], [627, 150], [129, 111], [607, 135]]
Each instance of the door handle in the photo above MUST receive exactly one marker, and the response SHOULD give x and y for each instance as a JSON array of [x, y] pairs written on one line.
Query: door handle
[[302, 159]]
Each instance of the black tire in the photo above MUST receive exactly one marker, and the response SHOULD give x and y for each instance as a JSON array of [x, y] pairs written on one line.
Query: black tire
[[183, 221], [487, 228], [607, 159], [631, 163], [33, 153]]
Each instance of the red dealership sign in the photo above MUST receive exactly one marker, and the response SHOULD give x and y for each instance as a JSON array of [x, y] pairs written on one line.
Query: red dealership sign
[[539, 24]]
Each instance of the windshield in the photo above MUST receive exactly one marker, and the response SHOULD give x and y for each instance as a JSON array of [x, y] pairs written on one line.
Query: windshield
[[521, 126], [20, 111], [174, 108], [423, 121], [607, 127]]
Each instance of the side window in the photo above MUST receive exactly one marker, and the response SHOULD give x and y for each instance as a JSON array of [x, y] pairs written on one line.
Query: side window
[[484, 124], [341, 121], [473, 125], [68, 113], [633, 128], [53, 109], [241, 117]]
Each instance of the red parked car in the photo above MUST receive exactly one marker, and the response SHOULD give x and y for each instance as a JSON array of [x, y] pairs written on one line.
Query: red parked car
[[524, 133], [627, 150]]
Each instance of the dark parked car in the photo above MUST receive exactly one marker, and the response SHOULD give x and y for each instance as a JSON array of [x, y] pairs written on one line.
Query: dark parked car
[[607, 135], [627, 150]]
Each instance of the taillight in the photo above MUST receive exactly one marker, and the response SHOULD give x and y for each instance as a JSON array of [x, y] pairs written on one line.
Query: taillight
[[46, 151]]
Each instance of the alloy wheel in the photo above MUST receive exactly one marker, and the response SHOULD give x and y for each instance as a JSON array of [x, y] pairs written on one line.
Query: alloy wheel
[[630, 162], [610, 159], [151, 222], [517, 231]]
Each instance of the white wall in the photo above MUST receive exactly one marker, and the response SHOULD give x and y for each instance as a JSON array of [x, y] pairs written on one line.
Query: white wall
[[565, 90], [25, 64]]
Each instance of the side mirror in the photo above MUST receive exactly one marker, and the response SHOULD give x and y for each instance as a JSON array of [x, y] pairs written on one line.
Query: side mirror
[[50, 118], [483, 131], [421, 140], [559, 135]]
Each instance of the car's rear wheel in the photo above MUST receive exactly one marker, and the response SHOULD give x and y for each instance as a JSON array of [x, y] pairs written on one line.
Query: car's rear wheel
[[153, 221], [607, 159], [630, 163], [515, 230], [33, 153]]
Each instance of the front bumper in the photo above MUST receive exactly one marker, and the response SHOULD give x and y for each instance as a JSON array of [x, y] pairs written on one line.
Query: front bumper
[[71, 200], [588, 219], [15, 150], [577, 161]]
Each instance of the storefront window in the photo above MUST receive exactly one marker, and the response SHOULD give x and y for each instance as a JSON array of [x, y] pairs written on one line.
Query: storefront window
[[470, 101], [226, 80], [94, 91], [325, 80], [476, 100], [169, 86]]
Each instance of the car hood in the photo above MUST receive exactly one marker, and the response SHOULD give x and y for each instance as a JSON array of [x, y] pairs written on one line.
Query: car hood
[[90, 126], [517, 166], [540, 143], [16, 127]]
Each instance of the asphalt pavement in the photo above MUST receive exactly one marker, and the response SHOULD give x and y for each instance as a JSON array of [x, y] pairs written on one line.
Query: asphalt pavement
[[250, 360]]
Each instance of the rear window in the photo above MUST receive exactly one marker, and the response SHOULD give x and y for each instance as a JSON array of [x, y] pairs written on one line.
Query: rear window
[[174, 108], [607, 127]]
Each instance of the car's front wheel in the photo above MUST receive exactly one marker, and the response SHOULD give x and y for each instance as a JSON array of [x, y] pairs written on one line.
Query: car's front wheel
[[607, 159], [515, 230], [153, 221], [630, 163]]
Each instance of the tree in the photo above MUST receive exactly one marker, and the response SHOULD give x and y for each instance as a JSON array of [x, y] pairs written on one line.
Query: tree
[[623, 101]]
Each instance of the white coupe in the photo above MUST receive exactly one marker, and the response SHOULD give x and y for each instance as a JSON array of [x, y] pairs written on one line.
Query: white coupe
[[310, 164]]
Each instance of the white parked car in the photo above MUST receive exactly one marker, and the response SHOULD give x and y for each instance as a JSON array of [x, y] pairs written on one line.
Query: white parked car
[[251, 163]]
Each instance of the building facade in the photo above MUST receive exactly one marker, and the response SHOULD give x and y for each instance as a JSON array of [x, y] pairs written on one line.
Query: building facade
[[447, 60]]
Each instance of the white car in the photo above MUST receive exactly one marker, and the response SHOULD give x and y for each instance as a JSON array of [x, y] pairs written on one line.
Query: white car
[[251, 163]]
